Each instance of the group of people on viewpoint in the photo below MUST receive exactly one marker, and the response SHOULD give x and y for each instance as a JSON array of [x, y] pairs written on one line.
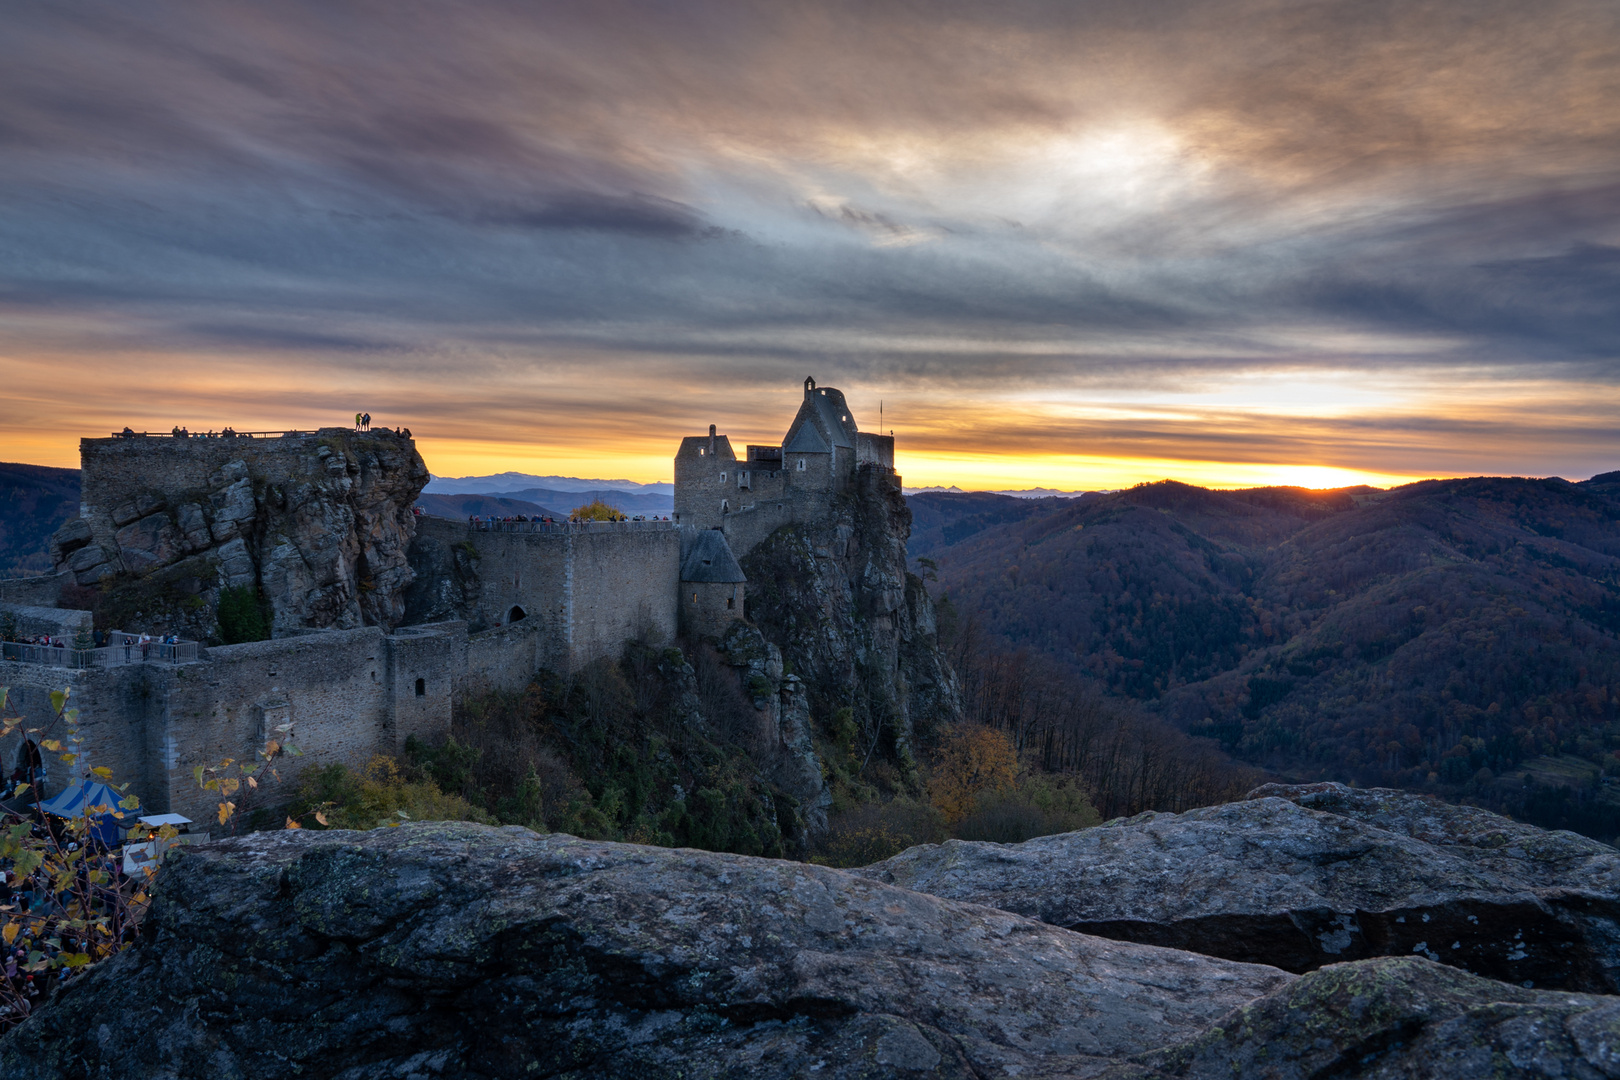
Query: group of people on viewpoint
[[99, 638], [362, 422]]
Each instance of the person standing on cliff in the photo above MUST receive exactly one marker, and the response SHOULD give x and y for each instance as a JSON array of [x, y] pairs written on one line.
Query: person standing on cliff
[[357, 421], [365, 421]]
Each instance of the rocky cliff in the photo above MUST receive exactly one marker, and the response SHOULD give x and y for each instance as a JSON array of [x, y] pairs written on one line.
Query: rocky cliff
[[463, 951], [317, 527], [836, 599], [1300, 877]]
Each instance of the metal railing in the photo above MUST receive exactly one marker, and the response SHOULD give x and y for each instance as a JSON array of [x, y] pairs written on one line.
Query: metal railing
[[487, 525], [120, 649], [226, 434]]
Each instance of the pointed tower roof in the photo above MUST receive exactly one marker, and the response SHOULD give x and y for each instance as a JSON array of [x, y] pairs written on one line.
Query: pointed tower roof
[[710, 560], [825, 411]]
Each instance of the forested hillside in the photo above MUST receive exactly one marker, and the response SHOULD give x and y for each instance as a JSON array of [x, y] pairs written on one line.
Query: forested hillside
[[1457, 636], [34, 501]]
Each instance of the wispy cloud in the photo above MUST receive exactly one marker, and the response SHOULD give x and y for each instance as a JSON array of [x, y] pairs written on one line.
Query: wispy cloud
[[574, 229]]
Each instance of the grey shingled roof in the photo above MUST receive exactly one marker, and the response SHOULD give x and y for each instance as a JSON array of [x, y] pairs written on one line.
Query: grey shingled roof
[[807, 440], [710, 559]]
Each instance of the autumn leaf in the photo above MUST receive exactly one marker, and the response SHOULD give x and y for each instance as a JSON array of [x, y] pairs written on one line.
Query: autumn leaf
[[75, 960], [226, 809], [101, 772], [252, 783], [58, 700], [198, 773], [52, 744], [291, 824], [320, 817], [10, 932]]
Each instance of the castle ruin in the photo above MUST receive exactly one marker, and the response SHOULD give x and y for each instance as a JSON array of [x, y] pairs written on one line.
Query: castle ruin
[[381, 621]]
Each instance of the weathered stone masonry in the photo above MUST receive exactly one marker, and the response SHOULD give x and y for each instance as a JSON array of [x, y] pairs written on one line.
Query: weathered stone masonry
[[383, 621]]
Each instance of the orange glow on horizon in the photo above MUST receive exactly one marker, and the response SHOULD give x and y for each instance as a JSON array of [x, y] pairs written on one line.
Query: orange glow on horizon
[[622, 418]]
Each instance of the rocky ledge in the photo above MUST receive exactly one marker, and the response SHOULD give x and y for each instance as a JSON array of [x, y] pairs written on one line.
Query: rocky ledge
[[443, 949], [1299, 877], [463, 951]]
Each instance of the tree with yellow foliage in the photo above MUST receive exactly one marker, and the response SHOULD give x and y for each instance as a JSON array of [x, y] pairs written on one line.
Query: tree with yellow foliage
[[972, 761], [596, 510]]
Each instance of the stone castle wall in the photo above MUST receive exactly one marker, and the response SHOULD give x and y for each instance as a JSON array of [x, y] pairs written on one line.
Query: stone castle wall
[[582, 592], [624, 585], [349, 694]]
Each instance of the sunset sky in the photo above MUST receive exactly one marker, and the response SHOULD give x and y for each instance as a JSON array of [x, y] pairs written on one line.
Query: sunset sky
[[1073, 244]]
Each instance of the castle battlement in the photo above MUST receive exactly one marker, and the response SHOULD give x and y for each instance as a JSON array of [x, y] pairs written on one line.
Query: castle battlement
[[745, 500], [380, 620]]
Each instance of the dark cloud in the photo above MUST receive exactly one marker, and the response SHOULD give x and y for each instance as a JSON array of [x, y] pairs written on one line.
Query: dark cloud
[[960, 196], [638, 215]]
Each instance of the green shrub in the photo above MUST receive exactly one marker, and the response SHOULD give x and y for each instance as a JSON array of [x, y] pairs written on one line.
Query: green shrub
[[381, 795], [871, 832], [1040, 805], [241, 615]]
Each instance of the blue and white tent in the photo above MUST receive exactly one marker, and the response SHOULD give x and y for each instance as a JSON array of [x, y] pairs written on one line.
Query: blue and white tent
[[73, 799]]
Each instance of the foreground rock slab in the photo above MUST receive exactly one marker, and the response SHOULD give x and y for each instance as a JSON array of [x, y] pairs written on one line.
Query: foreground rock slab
[[1401, 1018], [1299, 877], [456, 950]]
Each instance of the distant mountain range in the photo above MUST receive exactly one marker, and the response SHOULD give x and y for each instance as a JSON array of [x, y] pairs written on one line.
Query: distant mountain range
[[1454, 636], [450, 497], [34, 501], [508, 482], [1019, 493], [461, 507]]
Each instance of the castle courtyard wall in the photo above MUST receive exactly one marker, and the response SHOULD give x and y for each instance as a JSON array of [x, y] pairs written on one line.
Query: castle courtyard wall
[[624, 586], [114, 722], [34, 621], [506, 658], [41, 591], [583, 591], [331, 687], [434, 659]]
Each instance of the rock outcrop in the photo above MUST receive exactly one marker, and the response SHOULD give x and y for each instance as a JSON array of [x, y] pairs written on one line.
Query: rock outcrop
[[1299, 877], [851, 623], [789, 759], [455, 950], [1404, 1018], [318, 526]]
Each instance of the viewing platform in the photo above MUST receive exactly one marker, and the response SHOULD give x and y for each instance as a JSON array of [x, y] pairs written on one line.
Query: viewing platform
[[121, 649], [226, 434]]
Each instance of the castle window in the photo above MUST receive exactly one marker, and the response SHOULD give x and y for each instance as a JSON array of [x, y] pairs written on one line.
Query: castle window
[[421, 688], [801, 464], [694, 598], [515, 614], [724, 506], [700, 451], [722, 477], [731, 601]]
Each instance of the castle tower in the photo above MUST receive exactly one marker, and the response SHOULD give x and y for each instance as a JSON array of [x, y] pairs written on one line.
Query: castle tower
[[711, 585]]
